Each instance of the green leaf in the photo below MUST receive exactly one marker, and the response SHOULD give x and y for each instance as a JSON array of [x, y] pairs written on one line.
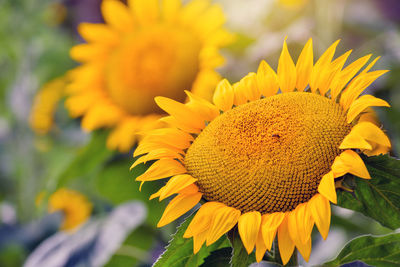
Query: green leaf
[[240, 258], [373, 250], [379, 197], [135, 248], [218, 258], [88, 160], [116, 184], [180, 250]]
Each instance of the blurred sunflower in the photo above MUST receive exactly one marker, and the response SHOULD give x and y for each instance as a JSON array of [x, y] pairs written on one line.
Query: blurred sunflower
[[75, 207], [145, 48], [45, 104], [264, 160]]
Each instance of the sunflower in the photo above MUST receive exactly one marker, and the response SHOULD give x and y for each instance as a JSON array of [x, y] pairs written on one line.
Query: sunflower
[[45, 105], [75, 207], [144, 49], [266, 154]]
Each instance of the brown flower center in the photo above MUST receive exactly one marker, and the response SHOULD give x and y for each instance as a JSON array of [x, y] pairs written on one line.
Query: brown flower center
[[268, 155]]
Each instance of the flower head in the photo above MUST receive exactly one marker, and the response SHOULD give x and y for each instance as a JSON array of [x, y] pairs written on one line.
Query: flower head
[[74, 205], [266, 154], [144, 49]]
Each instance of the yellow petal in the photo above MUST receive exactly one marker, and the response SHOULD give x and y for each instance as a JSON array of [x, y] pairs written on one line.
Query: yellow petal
[[189, 190], [376, 150], [45, 105], [117, 15], [161, 153], [198, 241], [204, 108], [362, 103], [260, 247], [285, 243], [162, 168], [203, 219], [305, 249], [249, 226], [88, 52], [224, 95], [78, 105], [327, 187], [340, 80], [357, 86], [147, 147], [267, 80], [350, 162], [169, 136], [97, 32], [224, 219], [146, 11], [221, 37], [180, 112], [192, 10], [239, 94], [304, 66], [269, 226], [370, 65], [212, 19], [123, 136], [300, 224], [369, 114], [354, 141], [332, 71], [371, 132], [178, 206], [173, 122], [286, 71], [250, 88], [321, 212], [171, 9], [157, 194], [322, 68], [102, 114], [176, 184], [210, 58]]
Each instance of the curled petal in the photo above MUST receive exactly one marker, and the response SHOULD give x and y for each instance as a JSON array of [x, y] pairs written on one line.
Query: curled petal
[[349, 162], [362, 103]]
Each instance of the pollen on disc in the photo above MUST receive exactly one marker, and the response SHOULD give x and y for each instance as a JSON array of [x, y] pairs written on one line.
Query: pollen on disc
[[268, 155]]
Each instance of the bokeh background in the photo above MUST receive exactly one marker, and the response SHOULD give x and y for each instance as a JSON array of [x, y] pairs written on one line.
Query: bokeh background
[[35, 38]]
